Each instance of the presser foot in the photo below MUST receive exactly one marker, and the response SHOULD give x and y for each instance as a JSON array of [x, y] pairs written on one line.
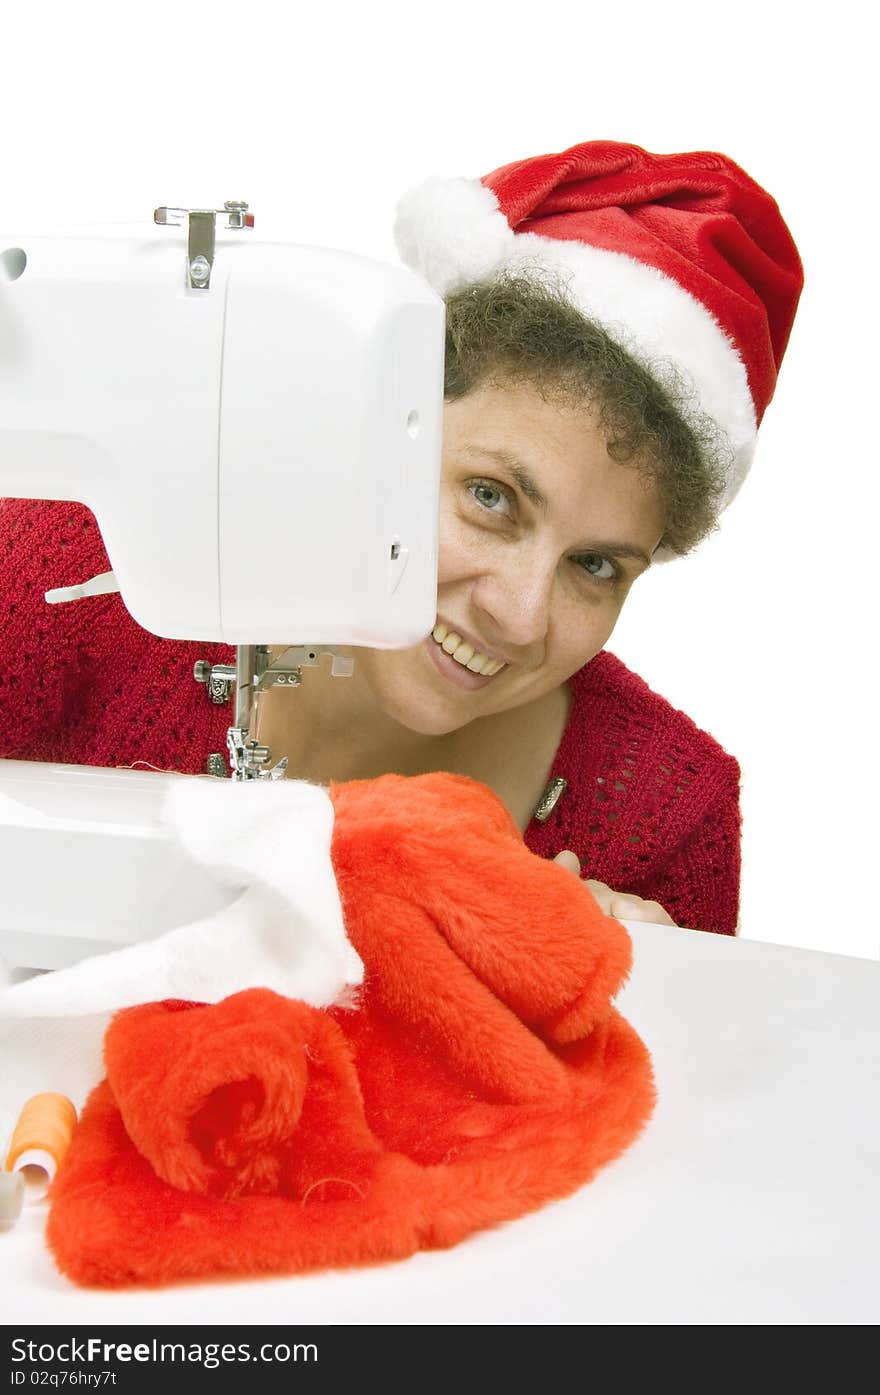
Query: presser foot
[[252, 674], [248, 760]]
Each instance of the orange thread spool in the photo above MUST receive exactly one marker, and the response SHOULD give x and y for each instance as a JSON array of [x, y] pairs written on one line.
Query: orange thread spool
[[40, 1139]]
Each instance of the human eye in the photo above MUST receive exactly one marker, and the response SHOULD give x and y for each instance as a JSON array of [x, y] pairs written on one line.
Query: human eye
[[489, 495], [597, 567]]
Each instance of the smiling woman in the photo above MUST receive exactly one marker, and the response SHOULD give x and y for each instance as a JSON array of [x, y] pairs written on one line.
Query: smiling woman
[[615, 320]]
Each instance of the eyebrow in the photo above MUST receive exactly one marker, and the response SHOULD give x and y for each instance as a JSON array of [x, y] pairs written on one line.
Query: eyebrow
[[517, 470], [529, 488]]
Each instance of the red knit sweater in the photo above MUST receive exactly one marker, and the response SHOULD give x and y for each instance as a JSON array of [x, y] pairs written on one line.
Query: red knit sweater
[[652, 804]]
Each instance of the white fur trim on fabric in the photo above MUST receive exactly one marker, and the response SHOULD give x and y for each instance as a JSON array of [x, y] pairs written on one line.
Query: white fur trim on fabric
[[453, 233], [269, 842]]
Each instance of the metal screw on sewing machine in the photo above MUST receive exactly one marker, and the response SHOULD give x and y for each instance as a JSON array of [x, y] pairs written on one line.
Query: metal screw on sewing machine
[[236, 210], [200, 270], [216, 765]]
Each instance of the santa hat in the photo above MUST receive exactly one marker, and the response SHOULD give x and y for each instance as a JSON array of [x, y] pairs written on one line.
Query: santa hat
[[683, 259]]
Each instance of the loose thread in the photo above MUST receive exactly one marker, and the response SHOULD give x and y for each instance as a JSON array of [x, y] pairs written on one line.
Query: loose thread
[[343, 1180]]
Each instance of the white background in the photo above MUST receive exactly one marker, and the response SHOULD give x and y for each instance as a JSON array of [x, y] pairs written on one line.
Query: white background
[[767, 637]]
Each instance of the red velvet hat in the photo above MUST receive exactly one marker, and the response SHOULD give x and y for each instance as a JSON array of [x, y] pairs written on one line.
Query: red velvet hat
[[683, 259]]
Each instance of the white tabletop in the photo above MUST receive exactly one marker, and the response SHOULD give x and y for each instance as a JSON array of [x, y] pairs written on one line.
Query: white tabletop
[[751, 1198]]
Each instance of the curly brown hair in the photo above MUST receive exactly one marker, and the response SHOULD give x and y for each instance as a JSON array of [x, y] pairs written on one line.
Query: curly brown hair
[[521, 328]]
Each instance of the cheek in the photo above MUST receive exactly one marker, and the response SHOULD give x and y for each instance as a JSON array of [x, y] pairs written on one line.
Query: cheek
[[457, 557], [581, 629]]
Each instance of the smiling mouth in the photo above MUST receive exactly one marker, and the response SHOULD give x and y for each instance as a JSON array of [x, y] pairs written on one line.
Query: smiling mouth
[[463, 653]]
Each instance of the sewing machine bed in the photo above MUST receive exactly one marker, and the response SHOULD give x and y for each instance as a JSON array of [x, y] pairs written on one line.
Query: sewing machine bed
[[750, 1199]]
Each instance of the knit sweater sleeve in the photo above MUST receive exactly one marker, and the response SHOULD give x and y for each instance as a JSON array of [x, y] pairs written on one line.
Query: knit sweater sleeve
[[652, 802], [698, 885]]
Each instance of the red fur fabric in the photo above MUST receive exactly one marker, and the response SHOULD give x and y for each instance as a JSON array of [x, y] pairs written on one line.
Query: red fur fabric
[[483, 1073]]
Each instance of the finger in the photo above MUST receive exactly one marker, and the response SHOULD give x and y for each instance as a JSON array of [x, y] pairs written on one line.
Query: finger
[[570, 860], [602, 894], [634, 908], [658, 915]]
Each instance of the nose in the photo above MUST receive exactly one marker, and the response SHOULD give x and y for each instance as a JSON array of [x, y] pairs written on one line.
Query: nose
[[515, 596]]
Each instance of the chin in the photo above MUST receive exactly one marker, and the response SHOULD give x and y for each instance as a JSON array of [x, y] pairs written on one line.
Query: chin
[[406, 695], [419, 718]]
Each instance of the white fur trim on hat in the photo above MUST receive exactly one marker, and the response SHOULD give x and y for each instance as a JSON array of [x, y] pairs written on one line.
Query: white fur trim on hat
[[453, 233]]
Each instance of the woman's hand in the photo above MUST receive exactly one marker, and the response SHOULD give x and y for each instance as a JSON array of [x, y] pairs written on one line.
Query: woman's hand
[[619, 904]]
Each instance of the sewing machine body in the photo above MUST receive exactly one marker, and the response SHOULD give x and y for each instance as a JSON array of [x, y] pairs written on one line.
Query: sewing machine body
[[88, 864], [261, 454], [256, 427]]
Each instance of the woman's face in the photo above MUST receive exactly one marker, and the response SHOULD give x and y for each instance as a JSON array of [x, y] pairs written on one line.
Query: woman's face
[[541, 536]]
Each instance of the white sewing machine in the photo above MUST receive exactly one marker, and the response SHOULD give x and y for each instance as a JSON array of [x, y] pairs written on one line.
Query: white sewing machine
[[239, 415]]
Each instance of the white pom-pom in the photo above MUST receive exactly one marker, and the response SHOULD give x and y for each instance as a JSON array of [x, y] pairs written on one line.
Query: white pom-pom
[[452, 232]]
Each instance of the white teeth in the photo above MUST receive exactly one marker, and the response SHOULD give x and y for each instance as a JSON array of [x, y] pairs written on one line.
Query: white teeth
[[464, 653]]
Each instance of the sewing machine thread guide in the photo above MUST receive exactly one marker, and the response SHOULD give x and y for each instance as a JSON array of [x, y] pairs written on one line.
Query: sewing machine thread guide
[[202, 224]]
